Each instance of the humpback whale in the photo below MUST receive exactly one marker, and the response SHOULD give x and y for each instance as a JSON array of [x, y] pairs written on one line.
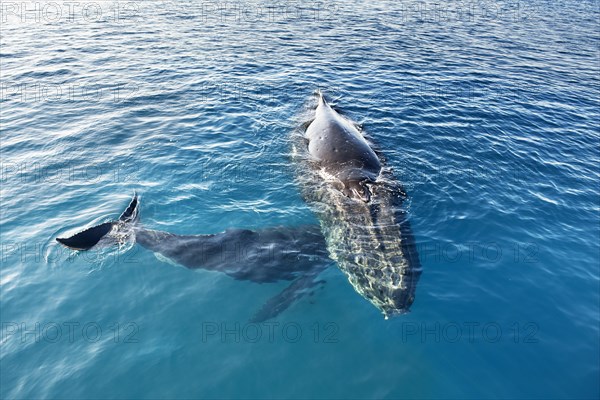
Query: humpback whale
[[297, 254], [364, 226], [359, 204]]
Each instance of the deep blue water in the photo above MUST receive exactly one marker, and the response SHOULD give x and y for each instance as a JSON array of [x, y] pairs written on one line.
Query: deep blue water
[[488, 114]]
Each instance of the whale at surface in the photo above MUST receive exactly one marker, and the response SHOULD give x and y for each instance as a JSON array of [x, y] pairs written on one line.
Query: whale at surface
[[359, 204]]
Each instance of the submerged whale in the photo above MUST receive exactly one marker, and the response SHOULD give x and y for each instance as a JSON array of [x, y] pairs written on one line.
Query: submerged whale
[[360, 207], [296, 254]]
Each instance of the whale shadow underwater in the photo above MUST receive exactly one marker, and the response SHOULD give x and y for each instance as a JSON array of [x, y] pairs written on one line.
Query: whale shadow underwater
[[364, 227]]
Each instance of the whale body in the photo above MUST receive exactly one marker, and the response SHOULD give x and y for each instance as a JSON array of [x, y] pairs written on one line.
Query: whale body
[[296, 254], [360, 208]]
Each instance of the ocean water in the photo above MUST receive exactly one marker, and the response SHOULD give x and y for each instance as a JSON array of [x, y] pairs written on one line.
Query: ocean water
[[488, 113]]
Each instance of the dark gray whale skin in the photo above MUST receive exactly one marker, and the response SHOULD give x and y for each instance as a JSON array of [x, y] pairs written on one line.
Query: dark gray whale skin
[[342, 151], [273, 254], [268, 255]]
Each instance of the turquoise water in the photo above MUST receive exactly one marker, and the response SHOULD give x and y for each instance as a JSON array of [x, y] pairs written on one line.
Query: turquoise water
[[487, 113]]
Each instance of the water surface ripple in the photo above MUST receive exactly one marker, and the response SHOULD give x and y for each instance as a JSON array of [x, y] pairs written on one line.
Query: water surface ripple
[[488, 115]]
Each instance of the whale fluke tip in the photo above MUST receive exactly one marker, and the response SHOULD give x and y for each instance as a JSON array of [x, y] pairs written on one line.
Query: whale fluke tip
[[131, 212], [88, 238]]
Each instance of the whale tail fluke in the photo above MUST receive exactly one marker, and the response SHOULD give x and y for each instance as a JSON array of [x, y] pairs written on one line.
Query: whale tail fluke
[[90, 237]]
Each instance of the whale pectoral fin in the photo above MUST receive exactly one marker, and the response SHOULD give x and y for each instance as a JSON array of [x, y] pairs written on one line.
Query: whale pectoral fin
[[88, 238], [284, 299]]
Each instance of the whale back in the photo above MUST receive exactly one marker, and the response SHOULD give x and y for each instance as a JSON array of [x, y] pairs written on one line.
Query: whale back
[[267, 255], [371, 241], [342, 151]]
